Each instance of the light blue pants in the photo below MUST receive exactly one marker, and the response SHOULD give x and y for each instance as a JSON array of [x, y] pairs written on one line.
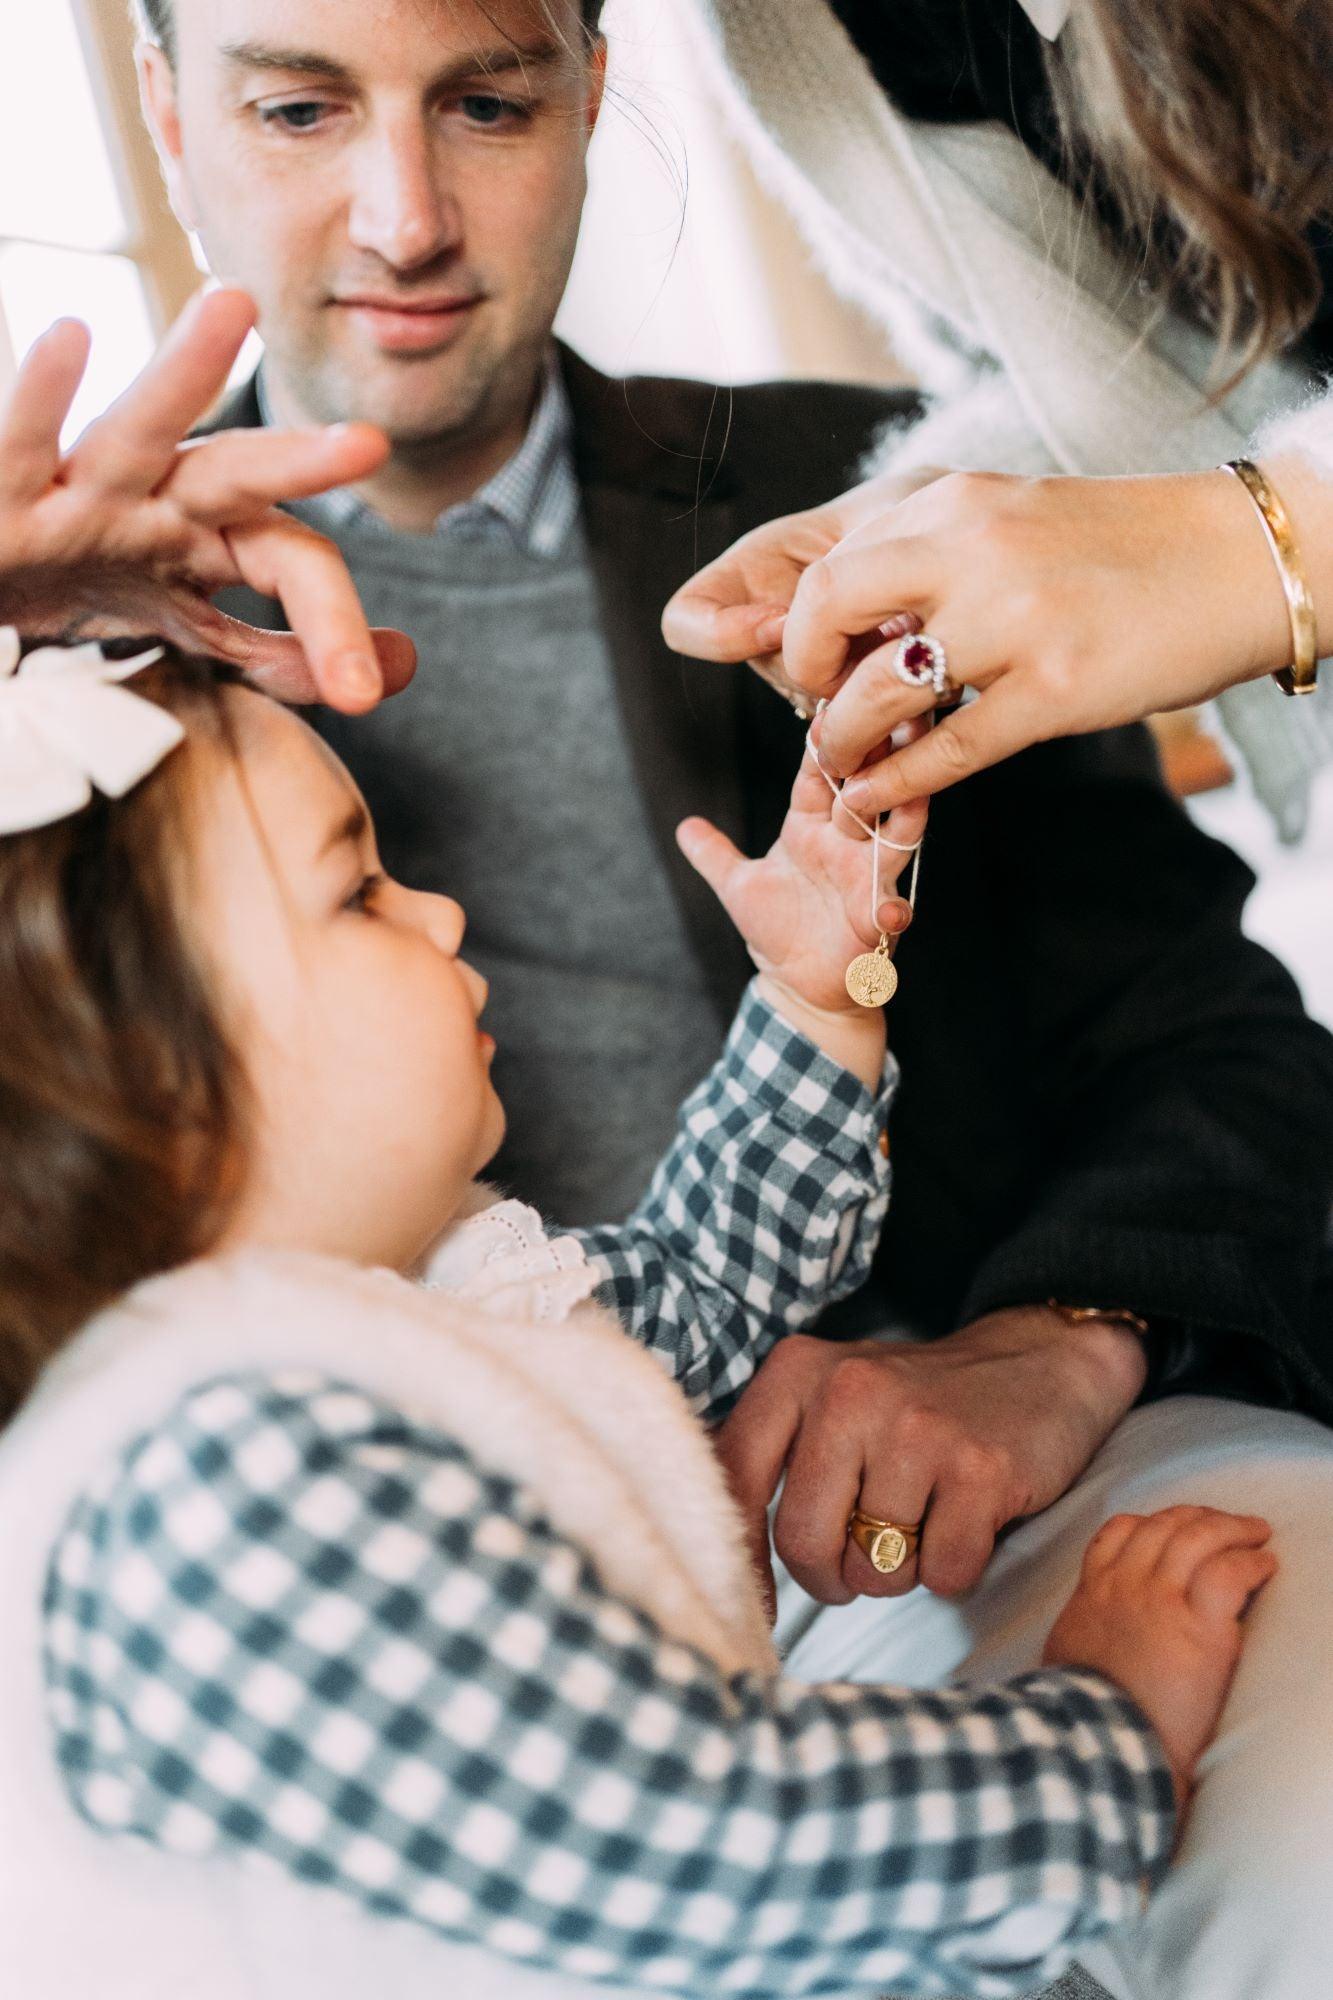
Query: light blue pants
[[1246, 1912]]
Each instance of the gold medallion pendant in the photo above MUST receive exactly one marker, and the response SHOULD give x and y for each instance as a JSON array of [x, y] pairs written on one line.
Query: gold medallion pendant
[[872, 979]]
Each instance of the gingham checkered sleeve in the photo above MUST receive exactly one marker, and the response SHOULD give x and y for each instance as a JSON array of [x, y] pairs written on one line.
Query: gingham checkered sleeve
[[295, 1624], [766, 1208]]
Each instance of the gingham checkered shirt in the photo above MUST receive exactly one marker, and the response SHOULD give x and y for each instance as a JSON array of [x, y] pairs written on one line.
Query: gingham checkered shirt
[[294, 1622], [533, 500]]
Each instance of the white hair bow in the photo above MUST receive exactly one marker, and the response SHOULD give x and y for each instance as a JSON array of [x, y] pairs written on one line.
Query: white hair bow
[[65, 727]]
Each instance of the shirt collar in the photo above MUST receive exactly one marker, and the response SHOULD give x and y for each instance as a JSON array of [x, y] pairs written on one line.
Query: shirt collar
[[533, 496]]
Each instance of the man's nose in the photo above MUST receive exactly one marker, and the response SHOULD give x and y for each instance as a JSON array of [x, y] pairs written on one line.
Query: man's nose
[[401, 208]]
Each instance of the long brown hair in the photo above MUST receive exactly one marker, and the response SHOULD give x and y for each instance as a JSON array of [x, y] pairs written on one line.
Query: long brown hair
[[122, 1103], [1210, 125]]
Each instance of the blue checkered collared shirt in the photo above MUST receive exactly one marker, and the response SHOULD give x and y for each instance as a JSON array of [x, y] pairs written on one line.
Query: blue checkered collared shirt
[[533, 499], [297, 1624]]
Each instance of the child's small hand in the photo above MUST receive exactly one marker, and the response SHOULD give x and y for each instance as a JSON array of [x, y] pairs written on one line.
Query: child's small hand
[[1158, 1608], [804, 909]]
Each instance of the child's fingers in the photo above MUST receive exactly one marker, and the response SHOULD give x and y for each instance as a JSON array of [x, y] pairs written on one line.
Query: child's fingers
[[1222, 1586], [1137, 1554], [1194, 1542], [1107, 1543], [711, 854]]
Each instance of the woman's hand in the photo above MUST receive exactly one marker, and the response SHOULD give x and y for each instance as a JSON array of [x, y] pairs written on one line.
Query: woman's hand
[[804, 911], [135, 528], [736, 608], [1072, 604]]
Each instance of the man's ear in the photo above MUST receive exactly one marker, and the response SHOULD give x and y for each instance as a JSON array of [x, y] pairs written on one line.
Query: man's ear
[[161, 110]]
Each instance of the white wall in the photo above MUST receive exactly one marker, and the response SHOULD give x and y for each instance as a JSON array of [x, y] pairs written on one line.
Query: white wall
[[685, 265]]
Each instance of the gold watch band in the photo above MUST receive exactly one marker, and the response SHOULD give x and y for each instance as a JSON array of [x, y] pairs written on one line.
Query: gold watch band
[[1076, 1315], [1301, 676]]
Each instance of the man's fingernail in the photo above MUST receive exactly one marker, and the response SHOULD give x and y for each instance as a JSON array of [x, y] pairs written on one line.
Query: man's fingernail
[[856, 795], [356, 674], [768, 634]]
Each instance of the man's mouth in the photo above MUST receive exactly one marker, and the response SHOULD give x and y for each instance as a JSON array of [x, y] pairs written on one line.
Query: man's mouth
[[405, 326]]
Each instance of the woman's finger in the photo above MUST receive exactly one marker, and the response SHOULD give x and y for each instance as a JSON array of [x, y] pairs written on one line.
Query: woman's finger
[[707, 621], [131, 448], [37, 406], [282, 558], [871, 703], [1002, 720], [850, 592], [236, 474]]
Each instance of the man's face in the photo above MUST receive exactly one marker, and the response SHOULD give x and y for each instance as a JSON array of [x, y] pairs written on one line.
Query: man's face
[[398, 183]]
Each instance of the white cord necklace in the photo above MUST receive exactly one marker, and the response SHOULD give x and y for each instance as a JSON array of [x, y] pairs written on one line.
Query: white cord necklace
[[872, 977]]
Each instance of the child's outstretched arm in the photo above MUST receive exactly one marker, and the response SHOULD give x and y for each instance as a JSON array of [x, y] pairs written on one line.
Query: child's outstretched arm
[[770, 1201]]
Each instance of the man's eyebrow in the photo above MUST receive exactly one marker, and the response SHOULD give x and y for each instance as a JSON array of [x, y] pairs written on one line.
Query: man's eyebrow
[[351, 828], [506, 58]]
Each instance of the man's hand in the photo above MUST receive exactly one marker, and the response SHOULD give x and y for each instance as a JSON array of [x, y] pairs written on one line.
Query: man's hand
[[133, 530], [965, 1434]]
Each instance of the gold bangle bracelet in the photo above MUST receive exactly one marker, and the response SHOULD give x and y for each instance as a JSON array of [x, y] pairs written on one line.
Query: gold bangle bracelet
[[1300, 677]]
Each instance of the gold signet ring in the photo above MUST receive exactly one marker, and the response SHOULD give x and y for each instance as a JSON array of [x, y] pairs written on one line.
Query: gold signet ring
[[887, 1544]]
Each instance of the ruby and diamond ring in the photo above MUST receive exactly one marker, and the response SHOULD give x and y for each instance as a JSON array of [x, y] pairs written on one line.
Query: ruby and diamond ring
[[920, 661]]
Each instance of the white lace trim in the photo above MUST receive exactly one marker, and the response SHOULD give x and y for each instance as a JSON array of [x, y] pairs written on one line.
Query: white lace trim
[[503, 1260]]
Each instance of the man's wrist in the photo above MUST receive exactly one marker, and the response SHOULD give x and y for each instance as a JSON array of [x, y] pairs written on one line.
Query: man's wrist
[[1116, 1342]]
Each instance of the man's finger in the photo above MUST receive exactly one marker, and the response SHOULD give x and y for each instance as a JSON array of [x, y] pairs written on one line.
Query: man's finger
[[281, 558], [959, 1535], [37, 406], [999, 722], [848, 593], [235, 474], [752, 1446], [130, 449]]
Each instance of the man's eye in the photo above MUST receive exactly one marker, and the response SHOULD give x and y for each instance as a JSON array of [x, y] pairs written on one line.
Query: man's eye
[[482, 108], [301, 116]]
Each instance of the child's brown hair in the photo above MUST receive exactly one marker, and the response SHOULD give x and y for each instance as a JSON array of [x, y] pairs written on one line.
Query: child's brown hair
[[121, 1098]]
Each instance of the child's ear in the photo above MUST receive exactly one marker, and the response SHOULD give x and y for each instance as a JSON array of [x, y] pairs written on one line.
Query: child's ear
[[161, 109]]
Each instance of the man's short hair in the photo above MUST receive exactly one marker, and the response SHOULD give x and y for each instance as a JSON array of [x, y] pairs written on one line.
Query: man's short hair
[[158, 22]]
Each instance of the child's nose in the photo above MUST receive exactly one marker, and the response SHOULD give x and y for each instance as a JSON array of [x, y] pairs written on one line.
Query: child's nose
[[442, 919]]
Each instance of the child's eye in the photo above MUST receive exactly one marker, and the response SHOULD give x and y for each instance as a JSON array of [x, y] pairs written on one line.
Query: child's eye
[[361, 897]]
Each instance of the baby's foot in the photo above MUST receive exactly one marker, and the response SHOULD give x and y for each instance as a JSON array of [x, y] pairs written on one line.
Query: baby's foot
[[1158, 1608]]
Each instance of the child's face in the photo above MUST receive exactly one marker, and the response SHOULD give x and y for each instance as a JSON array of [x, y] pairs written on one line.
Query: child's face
[[357, 1021]]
